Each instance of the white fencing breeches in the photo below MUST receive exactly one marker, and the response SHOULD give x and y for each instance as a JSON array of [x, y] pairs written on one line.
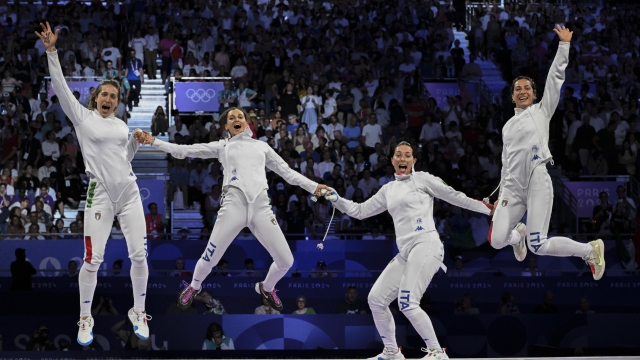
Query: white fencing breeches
[[407, 280], [537, 202], [99, 212], [235, 214]]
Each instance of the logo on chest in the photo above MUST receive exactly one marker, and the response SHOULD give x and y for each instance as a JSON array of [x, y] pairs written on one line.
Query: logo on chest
[[535, 153]]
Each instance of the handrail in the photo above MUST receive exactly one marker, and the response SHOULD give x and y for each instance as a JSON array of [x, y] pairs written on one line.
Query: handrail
[[568, 199]]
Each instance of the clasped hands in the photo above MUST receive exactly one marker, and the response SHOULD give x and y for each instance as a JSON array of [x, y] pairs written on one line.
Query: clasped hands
[[143, 137]]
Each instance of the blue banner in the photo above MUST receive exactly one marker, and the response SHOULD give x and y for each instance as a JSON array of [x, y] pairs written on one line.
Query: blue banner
[[83, 87], [197, 96], [587, 194], [470, 336], [152, 191], [440, 90], [351, 258]]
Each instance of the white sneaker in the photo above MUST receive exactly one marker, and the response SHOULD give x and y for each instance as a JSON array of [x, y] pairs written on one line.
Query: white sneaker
[[595, 259], [139, 321], [520, 249], [85, 333], [435, 354], [389, 355]]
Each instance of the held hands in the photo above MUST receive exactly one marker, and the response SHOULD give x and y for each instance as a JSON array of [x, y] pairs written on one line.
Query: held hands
[[143, 137], [48, 37], [322, 189], [331, 195], [563, 33]]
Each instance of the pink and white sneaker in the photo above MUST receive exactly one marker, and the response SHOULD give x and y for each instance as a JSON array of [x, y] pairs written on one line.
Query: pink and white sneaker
[[186, 296], [272, 298], [435, 354]]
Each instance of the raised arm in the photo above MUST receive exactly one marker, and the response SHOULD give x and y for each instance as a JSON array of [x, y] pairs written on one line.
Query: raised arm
[[71, 106], [275, 163], [202, 151], [433, 185], [555, 78], [374, 206]]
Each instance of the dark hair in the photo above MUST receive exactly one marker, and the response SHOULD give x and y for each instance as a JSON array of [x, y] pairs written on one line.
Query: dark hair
[[404, 143], [533, 84], [223, 117], [214, 327]]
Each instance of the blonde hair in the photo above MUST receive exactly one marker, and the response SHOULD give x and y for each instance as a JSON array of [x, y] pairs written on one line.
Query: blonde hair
[[92, 99]]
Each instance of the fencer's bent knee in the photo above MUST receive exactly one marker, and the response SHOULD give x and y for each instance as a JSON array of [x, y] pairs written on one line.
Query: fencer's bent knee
[[286, 262], [91, 267], [138, 263], [499, 236], [376, 302]]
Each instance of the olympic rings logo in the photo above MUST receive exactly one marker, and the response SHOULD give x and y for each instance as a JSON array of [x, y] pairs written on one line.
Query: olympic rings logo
[[201, 95]]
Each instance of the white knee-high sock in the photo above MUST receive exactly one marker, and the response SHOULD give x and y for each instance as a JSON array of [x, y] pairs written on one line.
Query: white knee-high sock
[[514, 238], [563, 247], [421, 322], [202, 270], [273, 276], [87, 281], [139, 277], [386, 327]]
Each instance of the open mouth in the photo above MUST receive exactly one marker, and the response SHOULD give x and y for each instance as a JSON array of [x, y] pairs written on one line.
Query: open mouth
[[237, 126], [106, 107], [403, 168], [523, 98]]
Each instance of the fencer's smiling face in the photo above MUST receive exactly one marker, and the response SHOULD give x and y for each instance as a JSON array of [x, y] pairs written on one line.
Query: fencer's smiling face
[[403, 160], [523, 94], [236, 122], [107, 100]]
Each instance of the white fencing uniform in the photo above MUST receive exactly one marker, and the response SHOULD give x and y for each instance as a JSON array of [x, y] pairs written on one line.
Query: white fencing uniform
[[245, 201], [409, 200], [107, 152], [526, 184]]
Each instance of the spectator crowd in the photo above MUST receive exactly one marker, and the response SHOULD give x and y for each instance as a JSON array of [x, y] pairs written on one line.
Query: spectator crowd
[[331, 86]]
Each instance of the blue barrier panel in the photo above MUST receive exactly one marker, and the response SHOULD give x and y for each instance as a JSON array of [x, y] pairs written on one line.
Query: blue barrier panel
[[463, 335]]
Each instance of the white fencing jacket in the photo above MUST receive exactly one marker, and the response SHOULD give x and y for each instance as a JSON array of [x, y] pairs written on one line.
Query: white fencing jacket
[[106, 146], [243, 160], [526, 134], [409, 200]]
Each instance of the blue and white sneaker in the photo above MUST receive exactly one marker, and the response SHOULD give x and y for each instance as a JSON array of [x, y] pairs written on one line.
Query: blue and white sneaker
[[389, 355], [85, 333], [139, 321]]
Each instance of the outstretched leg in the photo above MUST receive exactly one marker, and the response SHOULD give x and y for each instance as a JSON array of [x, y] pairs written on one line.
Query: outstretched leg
[[540, 203]]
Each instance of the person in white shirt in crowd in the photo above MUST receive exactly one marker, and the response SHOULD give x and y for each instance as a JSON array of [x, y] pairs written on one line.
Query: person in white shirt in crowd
[[138, 43], [334, 126], [246, 202], [112, 53], [245, 96], [453, 134], [308, 107], [371, 135], [409, 199], [330, 104], [431, 132], [151, 52], [326, 165], [178, 128], [50, 147]]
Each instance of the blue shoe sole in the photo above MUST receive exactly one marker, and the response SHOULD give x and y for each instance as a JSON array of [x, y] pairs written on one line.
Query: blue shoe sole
[[87, 343]]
